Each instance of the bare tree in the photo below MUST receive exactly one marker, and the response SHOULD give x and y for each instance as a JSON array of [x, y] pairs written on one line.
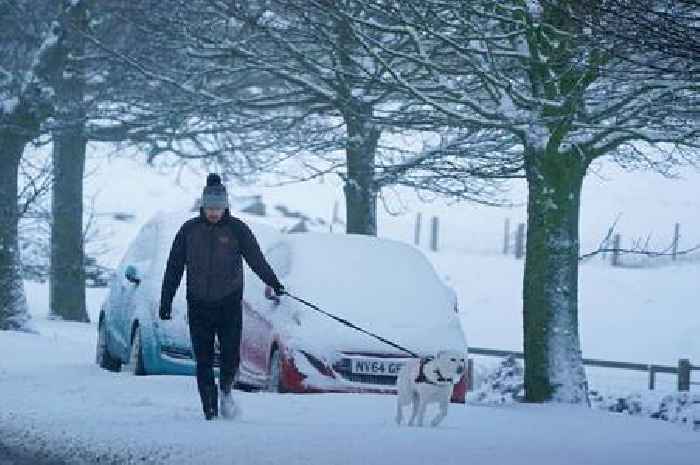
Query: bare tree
[[267, 82], [662, 35], [88, 87], [528, 70], [33, 48]]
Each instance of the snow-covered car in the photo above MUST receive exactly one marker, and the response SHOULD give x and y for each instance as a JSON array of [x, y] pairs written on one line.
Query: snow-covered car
[[383, 286]]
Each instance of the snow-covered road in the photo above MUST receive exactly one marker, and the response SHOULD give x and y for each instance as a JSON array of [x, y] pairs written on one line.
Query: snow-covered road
[[54, 401]]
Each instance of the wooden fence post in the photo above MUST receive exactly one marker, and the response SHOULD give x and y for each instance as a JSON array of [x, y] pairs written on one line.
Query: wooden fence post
[[652, 377], [616, 250], [684, 375], [520, 241], [435, 231], [676, 236], [334, 218], [506, 237], [416, 232]]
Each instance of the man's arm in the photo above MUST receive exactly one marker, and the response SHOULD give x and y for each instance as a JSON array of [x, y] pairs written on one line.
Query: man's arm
[[173, 270], [255, 258]]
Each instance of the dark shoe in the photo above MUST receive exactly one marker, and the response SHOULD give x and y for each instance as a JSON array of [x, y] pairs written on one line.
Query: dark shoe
[[210, 403]]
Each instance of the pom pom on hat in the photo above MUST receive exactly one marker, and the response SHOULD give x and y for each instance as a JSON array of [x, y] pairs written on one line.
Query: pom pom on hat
[[213, 179]]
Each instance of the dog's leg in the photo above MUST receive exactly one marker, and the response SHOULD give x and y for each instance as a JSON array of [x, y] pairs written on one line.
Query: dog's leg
[[423, 405], [415, 401], [403, 393], [442, 414]]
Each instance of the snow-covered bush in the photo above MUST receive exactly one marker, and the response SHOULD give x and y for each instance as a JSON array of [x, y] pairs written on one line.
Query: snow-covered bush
[[676, 407], [504, 385]]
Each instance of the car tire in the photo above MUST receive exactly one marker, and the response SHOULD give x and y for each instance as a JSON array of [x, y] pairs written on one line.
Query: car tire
[[274, 382], [135, 365], [102, 356]]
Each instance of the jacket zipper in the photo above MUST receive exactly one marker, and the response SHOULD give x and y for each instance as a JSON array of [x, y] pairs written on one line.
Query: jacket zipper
[[212, 237]]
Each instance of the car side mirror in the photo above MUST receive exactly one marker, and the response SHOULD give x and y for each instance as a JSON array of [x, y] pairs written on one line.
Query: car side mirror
[[132, 275]]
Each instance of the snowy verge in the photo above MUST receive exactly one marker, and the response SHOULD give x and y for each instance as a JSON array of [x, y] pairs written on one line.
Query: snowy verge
[[504, 384]]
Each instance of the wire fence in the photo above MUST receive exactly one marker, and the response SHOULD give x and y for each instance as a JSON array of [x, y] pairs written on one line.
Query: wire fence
[[682, 372]]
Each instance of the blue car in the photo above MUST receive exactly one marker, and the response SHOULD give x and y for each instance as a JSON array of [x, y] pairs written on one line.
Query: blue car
[[130, 334]]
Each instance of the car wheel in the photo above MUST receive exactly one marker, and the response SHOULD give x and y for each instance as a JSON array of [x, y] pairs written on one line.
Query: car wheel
[[135, 365], [274, 383], [102, 356]]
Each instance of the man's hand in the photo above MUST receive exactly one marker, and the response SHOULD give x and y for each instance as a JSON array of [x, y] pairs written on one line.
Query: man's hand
[[275, 293], [280, 290], [165, 311]]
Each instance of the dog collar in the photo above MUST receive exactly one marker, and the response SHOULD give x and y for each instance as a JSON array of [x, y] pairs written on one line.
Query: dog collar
[[424, 379], [440, 378]]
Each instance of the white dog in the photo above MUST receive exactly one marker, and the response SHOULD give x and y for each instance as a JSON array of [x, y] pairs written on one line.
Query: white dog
[[428, 380]]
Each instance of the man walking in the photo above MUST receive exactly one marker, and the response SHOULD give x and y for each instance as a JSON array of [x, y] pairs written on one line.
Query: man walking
[[212, 246]]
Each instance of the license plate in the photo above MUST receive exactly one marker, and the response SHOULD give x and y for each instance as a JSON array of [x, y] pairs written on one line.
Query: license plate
[[376, 367]]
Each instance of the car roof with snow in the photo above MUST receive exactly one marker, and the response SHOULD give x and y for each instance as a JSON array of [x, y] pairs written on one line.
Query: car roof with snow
[[385, 286]]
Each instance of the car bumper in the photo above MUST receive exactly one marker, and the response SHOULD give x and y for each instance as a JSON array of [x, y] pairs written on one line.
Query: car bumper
[[300, 375], [175, 361]]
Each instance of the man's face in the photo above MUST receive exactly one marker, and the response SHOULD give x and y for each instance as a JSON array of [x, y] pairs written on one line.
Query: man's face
[[214, 214]]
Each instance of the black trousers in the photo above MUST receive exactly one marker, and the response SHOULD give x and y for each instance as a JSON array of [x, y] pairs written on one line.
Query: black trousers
[[223, 320]]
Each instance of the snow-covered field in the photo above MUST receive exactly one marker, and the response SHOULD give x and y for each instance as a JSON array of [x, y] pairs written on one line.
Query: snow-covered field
[[53, 398]]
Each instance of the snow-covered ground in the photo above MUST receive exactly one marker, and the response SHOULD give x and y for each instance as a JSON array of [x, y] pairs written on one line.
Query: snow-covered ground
[[55, 401]]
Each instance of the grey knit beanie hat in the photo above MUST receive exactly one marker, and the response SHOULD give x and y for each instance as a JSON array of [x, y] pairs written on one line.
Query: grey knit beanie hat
[[214, 194]]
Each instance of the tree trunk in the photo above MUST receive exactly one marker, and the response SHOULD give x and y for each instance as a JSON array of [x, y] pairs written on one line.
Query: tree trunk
[[67, 276], [553, 361], [360, 188], [14, 313]]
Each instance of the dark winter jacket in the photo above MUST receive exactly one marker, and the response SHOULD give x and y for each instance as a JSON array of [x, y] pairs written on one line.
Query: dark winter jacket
[[213, 255]]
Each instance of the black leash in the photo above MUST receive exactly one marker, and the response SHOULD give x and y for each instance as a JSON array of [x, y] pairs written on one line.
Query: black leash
[[347, 323]]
